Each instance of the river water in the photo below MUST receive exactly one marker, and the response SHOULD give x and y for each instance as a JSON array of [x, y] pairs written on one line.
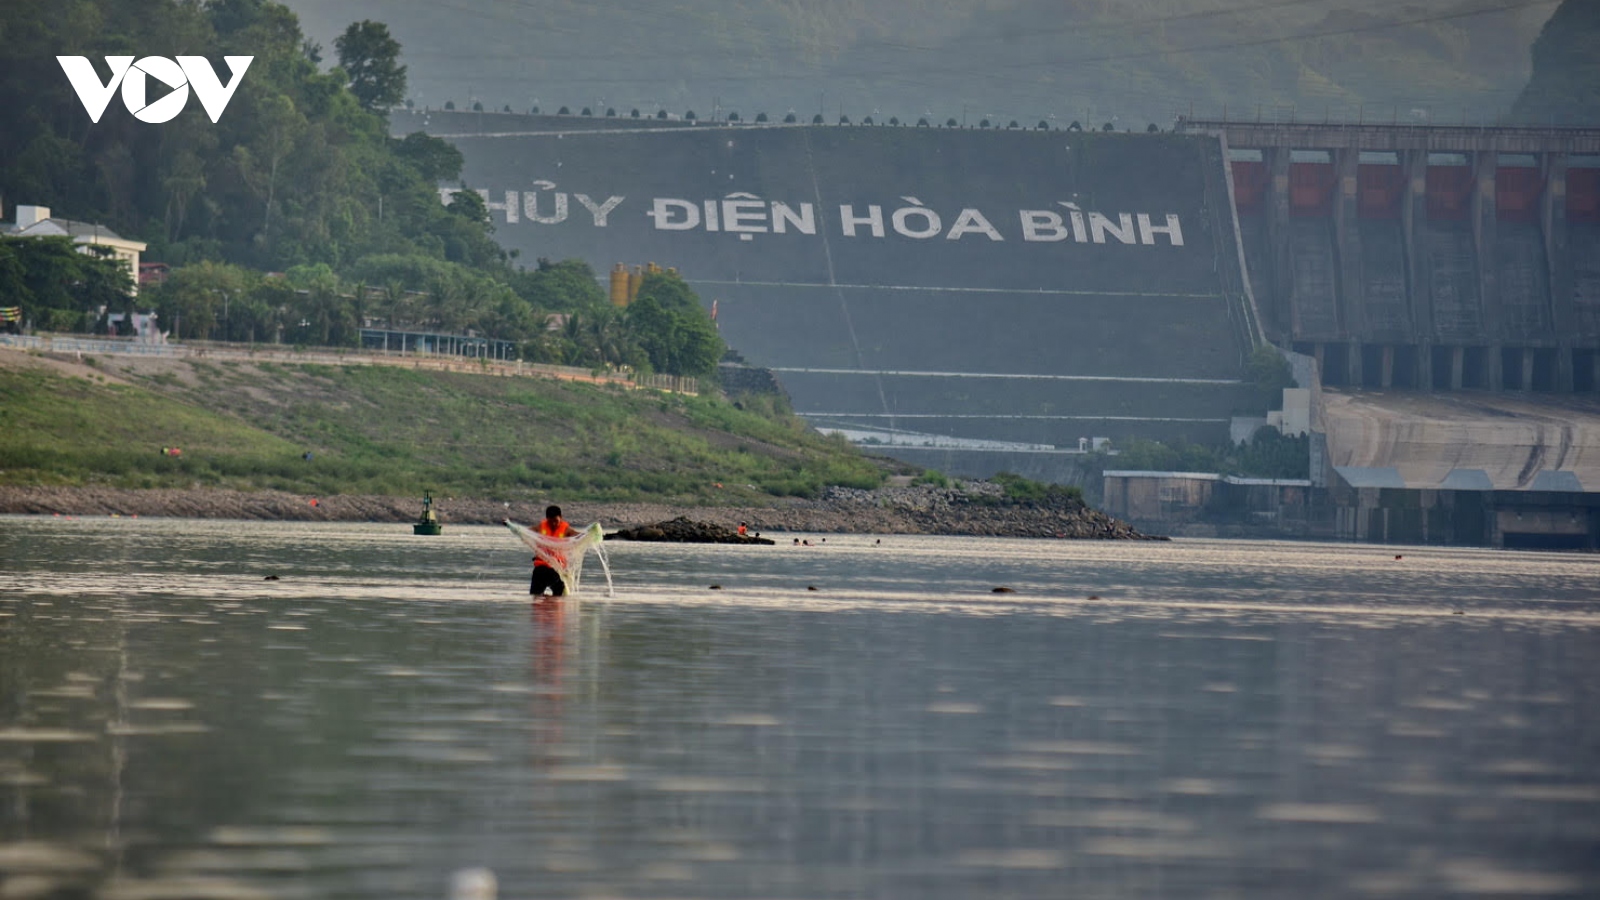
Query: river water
[[1193, 719]]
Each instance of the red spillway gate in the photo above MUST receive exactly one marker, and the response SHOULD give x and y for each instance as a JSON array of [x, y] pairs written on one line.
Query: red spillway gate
[[1379, 188], [1311, 189], [1449, 192], [1583, 195], [1517, 191], [1249, 185]]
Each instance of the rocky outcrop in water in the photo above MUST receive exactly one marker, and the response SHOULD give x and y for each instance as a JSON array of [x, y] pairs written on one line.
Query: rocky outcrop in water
[[684, 530]]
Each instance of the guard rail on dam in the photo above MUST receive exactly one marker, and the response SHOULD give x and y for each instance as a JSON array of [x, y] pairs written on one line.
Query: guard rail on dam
[[1424, 257], [940, 287]]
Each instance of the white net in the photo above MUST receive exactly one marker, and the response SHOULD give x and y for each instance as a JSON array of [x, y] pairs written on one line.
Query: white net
[[565, 555]]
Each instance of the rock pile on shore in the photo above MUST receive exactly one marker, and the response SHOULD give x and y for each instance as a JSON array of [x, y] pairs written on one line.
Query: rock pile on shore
[[966, 508], [684, 530]]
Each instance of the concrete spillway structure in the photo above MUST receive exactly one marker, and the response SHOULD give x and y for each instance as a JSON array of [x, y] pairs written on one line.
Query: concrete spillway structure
[[1447, 283], [1473, 467], [977, 291], [1432, 258]]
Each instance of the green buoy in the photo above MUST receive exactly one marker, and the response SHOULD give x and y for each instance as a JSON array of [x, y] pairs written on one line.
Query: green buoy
[[428, 522]]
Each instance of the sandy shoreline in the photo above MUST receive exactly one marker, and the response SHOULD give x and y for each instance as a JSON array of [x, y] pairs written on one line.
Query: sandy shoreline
[[923, 510]]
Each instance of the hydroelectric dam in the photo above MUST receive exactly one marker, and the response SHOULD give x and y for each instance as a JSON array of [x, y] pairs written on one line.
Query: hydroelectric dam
[[983, 299]]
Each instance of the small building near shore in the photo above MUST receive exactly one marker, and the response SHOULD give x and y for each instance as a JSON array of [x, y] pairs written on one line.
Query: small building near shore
[[36, 221], [1168, 501], [1166, 497]]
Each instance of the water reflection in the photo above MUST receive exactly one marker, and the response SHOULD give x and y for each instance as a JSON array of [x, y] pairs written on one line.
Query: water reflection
[[1223, 720]]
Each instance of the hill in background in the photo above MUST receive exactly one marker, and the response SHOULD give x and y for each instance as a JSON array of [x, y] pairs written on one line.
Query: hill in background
[[1565, 87], [1128, 61]]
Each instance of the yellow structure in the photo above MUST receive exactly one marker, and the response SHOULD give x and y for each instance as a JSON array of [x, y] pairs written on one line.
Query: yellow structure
[[619, 285], [625, 282]]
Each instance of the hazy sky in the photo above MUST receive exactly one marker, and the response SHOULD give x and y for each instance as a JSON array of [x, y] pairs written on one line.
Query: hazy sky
[[1000, 59]]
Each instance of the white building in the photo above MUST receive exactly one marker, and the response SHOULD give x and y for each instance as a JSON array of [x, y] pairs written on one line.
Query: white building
[[36, 221]]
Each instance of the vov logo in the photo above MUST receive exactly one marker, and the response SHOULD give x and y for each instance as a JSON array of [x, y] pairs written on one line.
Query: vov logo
[[186, 72]]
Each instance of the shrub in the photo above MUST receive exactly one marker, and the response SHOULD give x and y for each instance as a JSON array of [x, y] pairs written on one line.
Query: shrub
[[1026, 490]]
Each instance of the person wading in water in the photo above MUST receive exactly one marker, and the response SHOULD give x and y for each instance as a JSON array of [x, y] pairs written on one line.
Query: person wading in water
[[545, 577]]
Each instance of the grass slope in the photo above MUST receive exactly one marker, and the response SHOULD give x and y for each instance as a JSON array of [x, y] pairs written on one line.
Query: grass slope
[[394, 431]]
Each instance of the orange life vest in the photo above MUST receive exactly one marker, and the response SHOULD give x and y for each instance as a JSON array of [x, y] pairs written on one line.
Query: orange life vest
[[561, 530]]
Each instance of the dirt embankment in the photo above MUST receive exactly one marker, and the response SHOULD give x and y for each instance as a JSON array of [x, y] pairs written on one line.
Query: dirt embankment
[[974, 508]]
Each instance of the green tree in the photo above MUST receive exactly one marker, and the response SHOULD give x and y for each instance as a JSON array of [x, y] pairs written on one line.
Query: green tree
[[1271, 454], [371, 60], [673, 329], [419, 291], [54, 280], [197, 301], [103, 282], [560, 286], [1270, 372], [433, 159], [325, 304], [280, 126]]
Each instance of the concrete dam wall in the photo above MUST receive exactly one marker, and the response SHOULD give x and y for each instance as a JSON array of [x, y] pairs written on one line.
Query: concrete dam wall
[[1425, 257], [966, 289]]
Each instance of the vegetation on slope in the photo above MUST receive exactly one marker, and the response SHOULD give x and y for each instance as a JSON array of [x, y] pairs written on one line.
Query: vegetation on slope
[[380, 430], [1565, 87]]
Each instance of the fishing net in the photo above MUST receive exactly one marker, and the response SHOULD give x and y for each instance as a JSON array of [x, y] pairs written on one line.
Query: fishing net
[[565, 555]]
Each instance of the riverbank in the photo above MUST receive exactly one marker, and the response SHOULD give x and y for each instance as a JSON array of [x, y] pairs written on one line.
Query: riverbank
[[385, 431], [969, 508]]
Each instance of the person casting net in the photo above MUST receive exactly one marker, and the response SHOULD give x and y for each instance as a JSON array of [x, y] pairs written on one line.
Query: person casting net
[[558, 553]]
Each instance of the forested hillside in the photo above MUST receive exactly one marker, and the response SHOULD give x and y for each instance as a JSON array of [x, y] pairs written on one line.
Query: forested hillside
[[295, 172], [295, 218]]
